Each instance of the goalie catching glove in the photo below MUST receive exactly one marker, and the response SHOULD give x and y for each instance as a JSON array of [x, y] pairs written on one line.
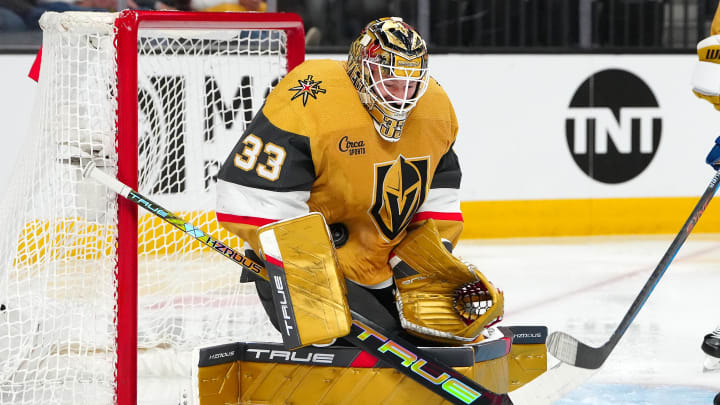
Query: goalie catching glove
[[439, 297]]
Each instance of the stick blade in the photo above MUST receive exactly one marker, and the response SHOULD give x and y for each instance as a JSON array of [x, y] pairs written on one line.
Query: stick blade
[[563, 347], [571, 351]]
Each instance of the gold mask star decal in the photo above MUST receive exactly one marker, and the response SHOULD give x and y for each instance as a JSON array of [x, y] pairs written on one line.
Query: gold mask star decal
[[307, 88]]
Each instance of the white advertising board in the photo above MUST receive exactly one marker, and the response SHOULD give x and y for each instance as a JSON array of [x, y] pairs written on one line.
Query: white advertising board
[[17, 94], [536, 127], [523, 127]]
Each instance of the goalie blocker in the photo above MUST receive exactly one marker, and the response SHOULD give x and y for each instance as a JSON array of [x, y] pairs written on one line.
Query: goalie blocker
[[307, 288], [247, 373]]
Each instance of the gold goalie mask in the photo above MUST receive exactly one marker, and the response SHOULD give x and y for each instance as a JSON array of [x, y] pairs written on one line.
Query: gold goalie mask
[[438, 296], [388, 65]]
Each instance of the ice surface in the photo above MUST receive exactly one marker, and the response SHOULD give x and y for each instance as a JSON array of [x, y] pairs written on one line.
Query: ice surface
[[584, 286]]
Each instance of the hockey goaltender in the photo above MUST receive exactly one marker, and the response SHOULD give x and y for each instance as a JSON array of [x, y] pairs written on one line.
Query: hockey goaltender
[[365, 146]]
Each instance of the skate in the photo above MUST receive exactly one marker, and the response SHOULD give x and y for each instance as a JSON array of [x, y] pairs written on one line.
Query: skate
[[711, 347]]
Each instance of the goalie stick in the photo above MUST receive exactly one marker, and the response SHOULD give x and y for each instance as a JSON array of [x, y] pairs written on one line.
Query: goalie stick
[[444, 381], [570, 350]]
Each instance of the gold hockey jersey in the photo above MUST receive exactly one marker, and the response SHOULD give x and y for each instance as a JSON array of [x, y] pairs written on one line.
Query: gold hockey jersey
[[313, 147]]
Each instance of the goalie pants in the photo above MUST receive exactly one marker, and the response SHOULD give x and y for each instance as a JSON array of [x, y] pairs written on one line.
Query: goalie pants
[[377, 305]]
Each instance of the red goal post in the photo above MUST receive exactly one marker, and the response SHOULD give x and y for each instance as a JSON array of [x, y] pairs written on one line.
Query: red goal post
[[91, 290], [128, 24]]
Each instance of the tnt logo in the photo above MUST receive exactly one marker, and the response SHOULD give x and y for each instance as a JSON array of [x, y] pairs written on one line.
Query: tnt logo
[[613, 126]]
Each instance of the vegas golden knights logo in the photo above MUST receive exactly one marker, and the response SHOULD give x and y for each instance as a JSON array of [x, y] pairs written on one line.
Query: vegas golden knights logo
[[400, 189]]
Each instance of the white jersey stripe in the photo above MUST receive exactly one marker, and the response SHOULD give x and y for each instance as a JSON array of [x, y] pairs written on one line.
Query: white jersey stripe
[[234, 199], [441, 200]]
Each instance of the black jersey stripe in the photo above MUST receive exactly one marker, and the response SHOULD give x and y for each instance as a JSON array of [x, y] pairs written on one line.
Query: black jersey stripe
[[447, 173]]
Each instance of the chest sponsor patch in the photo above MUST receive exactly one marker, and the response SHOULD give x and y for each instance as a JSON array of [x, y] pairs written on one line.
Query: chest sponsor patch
[[351, 146], [400, 189]]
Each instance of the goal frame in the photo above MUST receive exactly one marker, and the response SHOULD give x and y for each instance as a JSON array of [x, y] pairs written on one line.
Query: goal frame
[[127, 24]]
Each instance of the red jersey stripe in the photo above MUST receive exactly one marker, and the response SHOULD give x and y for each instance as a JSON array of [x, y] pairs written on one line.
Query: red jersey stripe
[[239, 219], [443, 216]]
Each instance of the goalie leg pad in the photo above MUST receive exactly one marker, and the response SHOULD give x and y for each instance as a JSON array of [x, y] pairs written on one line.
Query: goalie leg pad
[[438, 296], [308, 288], [267, 373]]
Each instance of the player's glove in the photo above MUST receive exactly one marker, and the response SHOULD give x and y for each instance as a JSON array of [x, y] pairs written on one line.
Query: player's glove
[[706, 77], [713, 158], [438, 296]]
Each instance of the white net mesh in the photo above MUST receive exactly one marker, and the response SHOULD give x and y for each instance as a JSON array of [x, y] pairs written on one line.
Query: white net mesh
[[197, 91]]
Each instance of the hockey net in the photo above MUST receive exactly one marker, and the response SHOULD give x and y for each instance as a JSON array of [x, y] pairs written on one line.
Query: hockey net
[[158, 99]]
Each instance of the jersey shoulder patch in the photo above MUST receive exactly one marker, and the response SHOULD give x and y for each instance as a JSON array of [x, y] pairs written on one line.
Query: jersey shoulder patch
[[312, 97]]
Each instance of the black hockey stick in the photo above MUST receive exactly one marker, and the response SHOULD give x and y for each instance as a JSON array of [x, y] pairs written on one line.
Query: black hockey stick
[[569, 350], [431, 373]]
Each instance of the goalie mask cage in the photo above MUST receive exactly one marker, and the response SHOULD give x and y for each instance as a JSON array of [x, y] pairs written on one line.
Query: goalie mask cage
[[98, 300]]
